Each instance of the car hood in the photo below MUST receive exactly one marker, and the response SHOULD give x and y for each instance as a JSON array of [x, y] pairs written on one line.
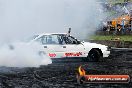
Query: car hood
[[94, 45]]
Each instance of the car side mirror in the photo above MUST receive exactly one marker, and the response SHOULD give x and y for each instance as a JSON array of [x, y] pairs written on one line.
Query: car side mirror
[[78, 42]]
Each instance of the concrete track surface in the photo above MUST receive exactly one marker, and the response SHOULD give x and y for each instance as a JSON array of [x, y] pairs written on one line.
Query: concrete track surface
[[63, 75]]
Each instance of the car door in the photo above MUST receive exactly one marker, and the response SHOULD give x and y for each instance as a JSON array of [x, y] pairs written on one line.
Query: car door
[[72, 47], [51, 46]]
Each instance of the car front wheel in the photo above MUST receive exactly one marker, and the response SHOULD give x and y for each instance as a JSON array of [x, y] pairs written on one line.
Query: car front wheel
[[94, 55]]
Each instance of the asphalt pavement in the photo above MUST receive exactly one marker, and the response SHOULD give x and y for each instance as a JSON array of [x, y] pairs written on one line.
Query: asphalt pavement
[[63, 75]]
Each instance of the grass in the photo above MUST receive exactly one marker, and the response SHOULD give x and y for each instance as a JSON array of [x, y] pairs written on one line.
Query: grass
[[116, 1], [109, 37], [110, 13]]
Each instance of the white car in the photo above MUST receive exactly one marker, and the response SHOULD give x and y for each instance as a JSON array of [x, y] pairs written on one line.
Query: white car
[[62, 45]]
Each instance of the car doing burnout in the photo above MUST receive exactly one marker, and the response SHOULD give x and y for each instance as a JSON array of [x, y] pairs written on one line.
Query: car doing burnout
[[62, 45]]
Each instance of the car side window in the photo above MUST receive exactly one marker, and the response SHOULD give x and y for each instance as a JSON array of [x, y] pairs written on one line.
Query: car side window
[[52, 39], [72, 40], [67, 40], [48, 39], [41, 40]]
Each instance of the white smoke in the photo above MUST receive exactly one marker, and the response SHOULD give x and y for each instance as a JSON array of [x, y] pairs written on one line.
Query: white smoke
[[23, 55], [83, 16], [23, 18], [20, 18]]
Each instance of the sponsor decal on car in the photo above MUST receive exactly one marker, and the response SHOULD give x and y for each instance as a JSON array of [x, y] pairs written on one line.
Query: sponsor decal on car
[[73, 54], [52, 54]]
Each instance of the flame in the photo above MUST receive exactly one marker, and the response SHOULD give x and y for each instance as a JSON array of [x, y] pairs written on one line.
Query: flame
[[81, 71]]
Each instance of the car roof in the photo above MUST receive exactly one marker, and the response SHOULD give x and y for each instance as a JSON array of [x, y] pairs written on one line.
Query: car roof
[[39, 35], [52, 33]]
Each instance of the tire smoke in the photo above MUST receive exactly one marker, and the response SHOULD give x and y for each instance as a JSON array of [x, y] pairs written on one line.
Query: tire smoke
[[23, 18], [23, 55]]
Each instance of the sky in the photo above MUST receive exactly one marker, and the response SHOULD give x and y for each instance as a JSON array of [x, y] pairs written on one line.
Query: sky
[[23, 18]]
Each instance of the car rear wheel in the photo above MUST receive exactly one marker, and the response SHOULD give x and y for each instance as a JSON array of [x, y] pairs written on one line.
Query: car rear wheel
[[94, 55]]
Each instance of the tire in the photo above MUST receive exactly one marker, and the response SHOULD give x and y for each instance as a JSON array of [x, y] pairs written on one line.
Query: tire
[[94, 55]]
